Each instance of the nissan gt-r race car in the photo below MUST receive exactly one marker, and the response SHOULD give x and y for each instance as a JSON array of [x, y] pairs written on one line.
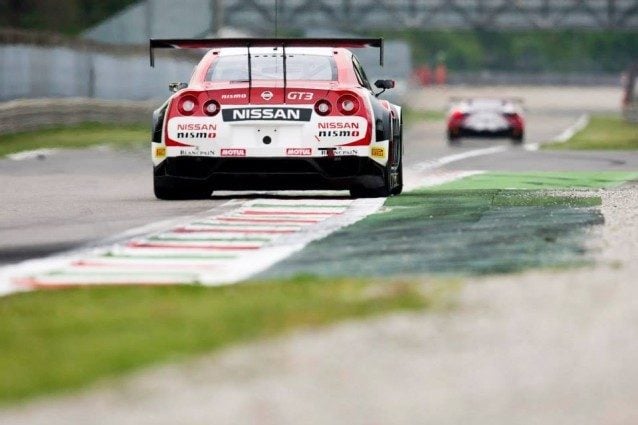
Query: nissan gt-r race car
[[276, 114], [485, 118]]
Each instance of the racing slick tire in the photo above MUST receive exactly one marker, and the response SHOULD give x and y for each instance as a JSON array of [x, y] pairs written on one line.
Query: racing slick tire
[[175, 190], [518, 139], [399, 187], [398, 184], [376, 192], [392, 172], [453, 140], [392, 176]]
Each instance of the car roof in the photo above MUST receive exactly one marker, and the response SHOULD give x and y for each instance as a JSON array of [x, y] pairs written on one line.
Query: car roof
[[342, 57]]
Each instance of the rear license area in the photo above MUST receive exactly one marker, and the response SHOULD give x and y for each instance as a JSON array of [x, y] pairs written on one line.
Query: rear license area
[[266, 136], [486, 122]]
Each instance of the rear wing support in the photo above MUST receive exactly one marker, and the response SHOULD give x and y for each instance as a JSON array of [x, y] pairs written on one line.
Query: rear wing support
[[202, 43]]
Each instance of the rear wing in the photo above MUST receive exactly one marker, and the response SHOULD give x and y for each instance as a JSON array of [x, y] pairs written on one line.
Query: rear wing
[[457, 99], [203, 43]]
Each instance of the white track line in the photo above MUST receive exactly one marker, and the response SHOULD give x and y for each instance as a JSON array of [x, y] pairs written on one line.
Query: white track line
[[439, 162], [33, 154], [566, 134], [429, 173], [569, 132]]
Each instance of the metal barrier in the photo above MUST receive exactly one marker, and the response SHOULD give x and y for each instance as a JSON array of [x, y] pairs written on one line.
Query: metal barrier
[[35, 114], [42, 65]]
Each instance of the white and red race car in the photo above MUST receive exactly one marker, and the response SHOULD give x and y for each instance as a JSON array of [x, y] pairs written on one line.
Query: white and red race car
[[485, 117], [276, 114]]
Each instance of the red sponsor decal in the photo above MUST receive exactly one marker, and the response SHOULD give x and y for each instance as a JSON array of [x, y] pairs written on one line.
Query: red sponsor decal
[[299, 151], [233, 152], [196, 127], [337, 125]]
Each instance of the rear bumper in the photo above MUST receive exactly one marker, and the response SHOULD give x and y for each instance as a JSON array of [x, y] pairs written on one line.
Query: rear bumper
[[337, 173], [470, 132]]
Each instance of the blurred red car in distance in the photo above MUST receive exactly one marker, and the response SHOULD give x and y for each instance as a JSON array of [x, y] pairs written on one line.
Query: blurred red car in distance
[[486, 118]]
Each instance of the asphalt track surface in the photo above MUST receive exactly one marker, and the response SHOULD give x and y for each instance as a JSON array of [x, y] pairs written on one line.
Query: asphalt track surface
[[77, 198]]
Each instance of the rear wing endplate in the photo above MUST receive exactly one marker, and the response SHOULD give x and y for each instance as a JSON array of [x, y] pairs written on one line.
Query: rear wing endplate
[[202, 43]]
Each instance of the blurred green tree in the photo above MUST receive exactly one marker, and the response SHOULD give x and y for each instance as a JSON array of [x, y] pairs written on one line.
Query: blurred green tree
[[64, 16]]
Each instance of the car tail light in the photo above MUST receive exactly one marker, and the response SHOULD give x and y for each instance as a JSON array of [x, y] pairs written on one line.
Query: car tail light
[[348, 104], [323, 107], [211, 108], [515, 120], [187, 105], [457, 117]]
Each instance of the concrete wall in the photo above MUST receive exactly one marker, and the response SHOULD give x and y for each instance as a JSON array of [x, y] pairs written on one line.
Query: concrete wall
[[29, 71]]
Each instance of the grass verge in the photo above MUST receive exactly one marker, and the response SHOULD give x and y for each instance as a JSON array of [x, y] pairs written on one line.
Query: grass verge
[[413, 116], [57, 340], [77, 136], [602, 132], [540, 180]]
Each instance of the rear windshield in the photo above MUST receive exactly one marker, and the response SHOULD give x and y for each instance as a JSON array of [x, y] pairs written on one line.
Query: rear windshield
[[486, 105], [271, 67]]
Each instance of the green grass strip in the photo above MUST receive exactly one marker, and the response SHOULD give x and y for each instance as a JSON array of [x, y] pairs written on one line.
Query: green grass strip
[[539, 180], [60, 340], [415, 116], [602, 133], [77, 136]]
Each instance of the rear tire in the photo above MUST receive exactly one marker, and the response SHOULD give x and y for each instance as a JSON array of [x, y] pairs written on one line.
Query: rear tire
[[377, 192], [393, 170], [180, 190], [518, 140], [453, 140], [398, 188]]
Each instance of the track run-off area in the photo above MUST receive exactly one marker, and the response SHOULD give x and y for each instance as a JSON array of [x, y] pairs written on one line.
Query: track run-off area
[[93, 209], [532, 250]]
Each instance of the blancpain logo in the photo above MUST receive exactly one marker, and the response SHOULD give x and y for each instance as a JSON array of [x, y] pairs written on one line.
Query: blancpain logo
[[266, 95]]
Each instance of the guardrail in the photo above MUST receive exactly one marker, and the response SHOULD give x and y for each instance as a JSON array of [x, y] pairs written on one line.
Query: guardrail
[[35, 114]]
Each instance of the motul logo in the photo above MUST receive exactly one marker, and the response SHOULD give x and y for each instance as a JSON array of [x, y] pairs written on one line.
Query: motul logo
[[233, 152], [299, 151]]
